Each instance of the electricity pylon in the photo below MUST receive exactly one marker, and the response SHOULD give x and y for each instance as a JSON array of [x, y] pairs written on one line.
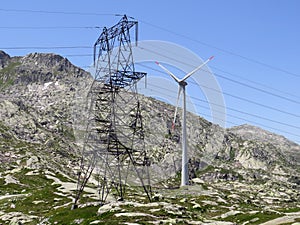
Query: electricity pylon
[[114, 152]]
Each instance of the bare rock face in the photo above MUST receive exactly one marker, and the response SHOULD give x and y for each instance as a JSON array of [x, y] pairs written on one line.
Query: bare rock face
[[49, 62], [37, 100], [39, 68], [250, 132], [285, 148]]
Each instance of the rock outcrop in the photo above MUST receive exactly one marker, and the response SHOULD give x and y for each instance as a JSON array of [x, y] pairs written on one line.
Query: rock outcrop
[[4, 59]]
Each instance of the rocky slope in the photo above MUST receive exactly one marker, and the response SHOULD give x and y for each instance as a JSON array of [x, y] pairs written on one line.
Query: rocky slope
[[243, 175], [288, 148]]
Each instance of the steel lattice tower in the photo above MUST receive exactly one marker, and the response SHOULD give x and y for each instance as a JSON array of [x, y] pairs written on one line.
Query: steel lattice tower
[[114, 151]]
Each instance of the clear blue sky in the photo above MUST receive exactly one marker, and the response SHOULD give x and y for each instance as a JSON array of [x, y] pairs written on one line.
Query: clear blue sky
[[252, 40]]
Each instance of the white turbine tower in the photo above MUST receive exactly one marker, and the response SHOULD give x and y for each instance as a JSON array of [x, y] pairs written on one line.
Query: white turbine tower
[[182, 83]]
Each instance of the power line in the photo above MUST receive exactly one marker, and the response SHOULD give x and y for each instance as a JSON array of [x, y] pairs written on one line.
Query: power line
[[160, 28], [238, 97], [239, 111], [104, 14], [258, 89], [255, 82], [79, 55], [249, 114], [253, 102], [234, 81], [222, 50], [233, 116], [236, 117], [244, 99], [250, 101], [231, 80], [223, 77], [45, 47], [241, 98], [58, 12], [49, 27]]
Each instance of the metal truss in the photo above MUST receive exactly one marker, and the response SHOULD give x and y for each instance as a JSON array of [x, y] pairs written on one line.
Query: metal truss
[[114, 154]]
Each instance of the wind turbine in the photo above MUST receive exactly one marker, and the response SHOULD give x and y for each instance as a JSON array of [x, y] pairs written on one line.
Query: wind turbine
[[182, 83]]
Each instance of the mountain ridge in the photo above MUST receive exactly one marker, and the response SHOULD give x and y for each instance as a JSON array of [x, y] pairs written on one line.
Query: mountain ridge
[[252, 129]]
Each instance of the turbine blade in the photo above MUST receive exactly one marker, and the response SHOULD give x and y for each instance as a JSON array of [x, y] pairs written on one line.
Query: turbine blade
[[168, 72], [177, 102], [195, 70]]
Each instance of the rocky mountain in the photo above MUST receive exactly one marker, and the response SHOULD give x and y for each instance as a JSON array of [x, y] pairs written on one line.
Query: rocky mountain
[[241, 175], [287, 147]]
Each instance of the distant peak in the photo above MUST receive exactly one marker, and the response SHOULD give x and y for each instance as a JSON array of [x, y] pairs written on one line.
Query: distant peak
[[251, 132], [48, 59], [48, 62]]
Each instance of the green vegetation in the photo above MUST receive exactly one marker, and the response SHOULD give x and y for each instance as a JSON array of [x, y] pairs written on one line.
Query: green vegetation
[[5, 84], [37, 195], [207, 169], [232, 154], [67, 132], [82, 215], [257, 218], [9, 74], [290, 210], [9, 68], [34, 195]]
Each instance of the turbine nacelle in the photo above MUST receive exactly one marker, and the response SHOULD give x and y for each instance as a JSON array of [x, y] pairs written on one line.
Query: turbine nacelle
[[182, 82], [188, 74]]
